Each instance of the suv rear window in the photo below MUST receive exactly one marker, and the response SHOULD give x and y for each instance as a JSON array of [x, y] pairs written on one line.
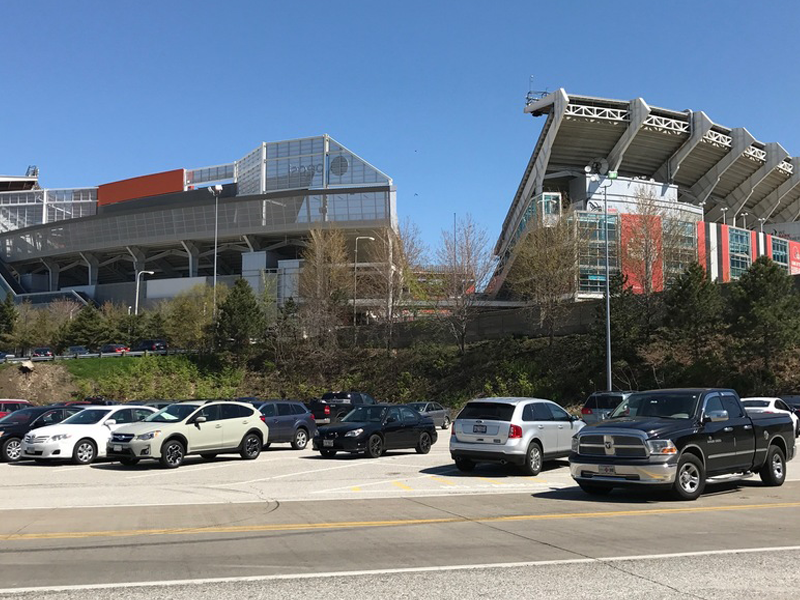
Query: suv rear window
[[604, 401], [493, 411]]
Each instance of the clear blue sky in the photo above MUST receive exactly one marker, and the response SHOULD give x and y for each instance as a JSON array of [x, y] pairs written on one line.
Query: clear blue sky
[[430, 92]]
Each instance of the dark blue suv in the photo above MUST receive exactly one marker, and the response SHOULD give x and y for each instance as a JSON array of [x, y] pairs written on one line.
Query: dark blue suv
[[289, 422]]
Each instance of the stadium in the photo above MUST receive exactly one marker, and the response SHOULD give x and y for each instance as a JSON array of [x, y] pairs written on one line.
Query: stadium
[[734, 197], [175, 229]]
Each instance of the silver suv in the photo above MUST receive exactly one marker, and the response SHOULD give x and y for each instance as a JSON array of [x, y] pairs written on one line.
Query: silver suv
[[600, 405], [204, 428], [517, 431]]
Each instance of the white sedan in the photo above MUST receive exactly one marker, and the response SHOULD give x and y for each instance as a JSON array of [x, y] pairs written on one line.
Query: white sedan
[[83, 436], [771, 405]]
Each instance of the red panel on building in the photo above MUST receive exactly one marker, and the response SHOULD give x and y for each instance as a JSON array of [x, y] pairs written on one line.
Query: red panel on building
[[794, 257], [141, 187], [702, 256], [768, 244], [725, 259], [754, 245], [641, 251]]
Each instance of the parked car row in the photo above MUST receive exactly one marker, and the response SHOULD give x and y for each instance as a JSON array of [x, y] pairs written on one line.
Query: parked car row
[[43, 352]]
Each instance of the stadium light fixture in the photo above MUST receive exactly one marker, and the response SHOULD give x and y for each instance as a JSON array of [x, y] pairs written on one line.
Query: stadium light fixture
[[761, 223], [744, 220], [216, 191], [723, 210]]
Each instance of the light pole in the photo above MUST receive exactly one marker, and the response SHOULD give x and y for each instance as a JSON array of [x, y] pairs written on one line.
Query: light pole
[[138, 282], [355, 279], [723, 210], [216, 190], [592, 170], [744, 220], [761, 223]]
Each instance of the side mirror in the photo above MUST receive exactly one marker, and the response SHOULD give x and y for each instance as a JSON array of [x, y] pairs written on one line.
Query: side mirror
[[110, 422], [199, 420], [391, 420], [574, 418], [715, 416]]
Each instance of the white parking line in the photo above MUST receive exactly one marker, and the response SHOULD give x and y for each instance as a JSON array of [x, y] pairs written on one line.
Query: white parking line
[[373, 572], [349, 465]]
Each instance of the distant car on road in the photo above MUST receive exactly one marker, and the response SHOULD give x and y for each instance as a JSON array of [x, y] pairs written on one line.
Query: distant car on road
[[288, 421], [438, 413], [8, 406], [83, 437], [150, 346], [373, 429], [77, 351], [14, 426], [771, 406], [43, 352], [516, 431], [114, 349]]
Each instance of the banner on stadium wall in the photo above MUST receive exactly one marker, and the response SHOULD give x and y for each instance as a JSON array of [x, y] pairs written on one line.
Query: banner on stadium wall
[[794, 257], [641, 243]]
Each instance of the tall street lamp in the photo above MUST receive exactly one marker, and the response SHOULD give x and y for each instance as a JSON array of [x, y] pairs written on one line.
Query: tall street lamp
[[216, 190], [594, 175], [744, 220], [761, 223], [138, 282], [355, 279], [724, 209]]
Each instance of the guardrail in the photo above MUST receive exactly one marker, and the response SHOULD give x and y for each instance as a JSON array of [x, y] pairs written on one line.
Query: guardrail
[[19, 359]]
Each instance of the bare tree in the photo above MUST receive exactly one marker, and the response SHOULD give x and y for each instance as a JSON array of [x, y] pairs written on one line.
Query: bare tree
[[390, 280], [466, 253], [545, 269], [324, 285]]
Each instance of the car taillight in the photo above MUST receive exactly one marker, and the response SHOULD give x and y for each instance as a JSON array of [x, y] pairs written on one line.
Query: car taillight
[[264, 419], [313, 418], [327, 410], [453, 428], [586, 411], [515, 431]]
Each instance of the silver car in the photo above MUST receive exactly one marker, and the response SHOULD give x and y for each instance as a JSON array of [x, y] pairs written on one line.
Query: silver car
[[434, 410], [600, 405], [517, 431]]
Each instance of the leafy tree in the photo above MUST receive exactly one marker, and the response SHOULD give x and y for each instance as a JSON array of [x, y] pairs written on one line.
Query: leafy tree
[[693, 310], [8, 317], [240, 319], [189, 317], [86, 329], [764, 315]]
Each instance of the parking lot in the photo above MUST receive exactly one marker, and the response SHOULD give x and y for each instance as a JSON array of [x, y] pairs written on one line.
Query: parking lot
[[280, 474]]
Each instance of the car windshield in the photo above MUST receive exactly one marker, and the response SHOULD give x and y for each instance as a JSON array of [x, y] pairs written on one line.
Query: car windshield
[[755, 403], [172, 413], [365, 414], [88, 416], [677, 405], [19, 416], [419, 406]]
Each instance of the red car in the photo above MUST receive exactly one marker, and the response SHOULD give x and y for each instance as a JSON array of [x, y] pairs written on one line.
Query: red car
[[114, 348], [9, 406]]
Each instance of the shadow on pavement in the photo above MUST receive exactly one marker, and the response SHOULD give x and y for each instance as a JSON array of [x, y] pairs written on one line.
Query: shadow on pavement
[[488, 470]]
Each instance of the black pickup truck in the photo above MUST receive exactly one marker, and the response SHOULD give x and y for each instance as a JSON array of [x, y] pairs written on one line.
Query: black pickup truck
[[675, 439], [333, 406]]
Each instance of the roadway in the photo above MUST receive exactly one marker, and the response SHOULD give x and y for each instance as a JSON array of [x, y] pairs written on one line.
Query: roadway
[[403, 525]]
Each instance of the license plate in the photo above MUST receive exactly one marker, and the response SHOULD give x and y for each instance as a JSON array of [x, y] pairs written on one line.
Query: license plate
[[479, 429], [606, 470], [327, 442], [117, 448]]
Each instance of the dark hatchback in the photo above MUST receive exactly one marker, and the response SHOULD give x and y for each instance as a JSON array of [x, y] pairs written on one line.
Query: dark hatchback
[[13, 427], [372, 430]]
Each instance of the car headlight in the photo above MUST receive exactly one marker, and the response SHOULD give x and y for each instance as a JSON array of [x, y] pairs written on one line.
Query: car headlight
[[354, 432], [149, 435], [661, 447], [575, 444], [60, 436]]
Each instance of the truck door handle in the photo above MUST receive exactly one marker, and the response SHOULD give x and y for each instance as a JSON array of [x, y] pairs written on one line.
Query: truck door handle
[[728, 429], [748, 426], [217, 426], [561, 427], [541, 426]]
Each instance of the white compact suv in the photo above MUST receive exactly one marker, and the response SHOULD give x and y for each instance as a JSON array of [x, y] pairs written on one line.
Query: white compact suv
[[199, 427], [516, 431], [83, 436]]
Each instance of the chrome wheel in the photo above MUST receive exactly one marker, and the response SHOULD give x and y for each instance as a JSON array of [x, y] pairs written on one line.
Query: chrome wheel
[[777, 466], [173, 454], [536, 458], [13, 450], [300, 439], [689, 478], [84, 452]]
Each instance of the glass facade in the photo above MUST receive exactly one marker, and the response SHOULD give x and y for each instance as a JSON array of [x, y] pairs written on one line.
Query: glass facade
[[739, 241], [780, 253], [237, 217], [35, 207], [592, 249], [681, 247]]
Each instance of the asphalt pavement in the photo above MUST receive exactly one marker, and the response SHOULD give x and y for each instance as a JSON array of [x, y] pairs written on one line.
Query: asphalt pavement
[[403, 525]]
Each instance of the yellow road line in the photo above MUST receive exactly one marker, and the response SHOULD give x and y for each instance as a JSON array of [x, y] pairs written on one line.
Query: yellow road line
[[442, 480], [494, 481], [395, 523], [537, 479], [356, 489], [402, 486]]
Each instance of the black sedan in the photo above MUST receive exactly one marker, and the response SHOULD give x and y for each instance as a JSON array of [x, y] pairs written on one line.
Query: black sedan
[[374, 429]]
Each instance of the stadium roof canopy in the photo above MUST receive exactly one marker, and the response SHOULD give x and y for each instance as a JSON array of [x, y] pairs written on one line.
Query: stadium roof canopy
[[712, 165]]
